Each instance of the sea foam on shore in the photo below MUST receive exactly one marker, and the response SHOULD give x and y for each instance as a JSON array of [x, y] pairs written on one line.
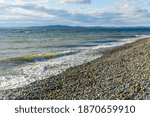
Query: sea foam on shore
[[20, 77]]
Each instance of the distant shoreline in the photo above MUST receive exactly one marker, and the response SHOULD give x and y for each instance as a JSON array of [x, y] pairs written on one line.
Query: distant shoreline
[[69, 26], [121, 73]]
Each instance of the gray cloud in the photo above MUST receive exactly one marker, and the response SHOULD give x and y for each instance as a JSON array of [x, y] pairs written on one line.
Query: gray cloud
[[64, 16]]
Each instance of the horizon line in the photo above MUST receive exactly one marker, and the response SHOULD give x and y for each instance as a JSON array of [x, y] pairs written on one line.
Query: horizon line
[[34, 26]]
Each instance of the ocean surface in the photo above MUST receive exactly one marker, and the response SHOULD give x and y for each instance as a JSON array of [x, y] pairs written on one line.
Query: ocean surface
[[31, 54]]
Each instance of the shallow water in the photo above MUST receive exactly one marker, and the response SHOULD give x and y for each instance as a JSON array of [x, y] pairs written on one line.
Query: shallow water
[[72, 46]]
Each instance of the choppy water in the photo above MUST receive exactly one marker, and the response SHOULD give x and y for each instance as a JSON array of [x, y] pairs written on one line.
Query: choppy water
[[70, 47]]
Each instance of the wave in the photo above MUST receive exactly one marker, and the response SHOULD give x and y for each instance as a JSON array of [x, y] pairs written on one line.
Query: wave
[[40, 57], [7, 65], [121, 36], [40, 70], [31, 58]]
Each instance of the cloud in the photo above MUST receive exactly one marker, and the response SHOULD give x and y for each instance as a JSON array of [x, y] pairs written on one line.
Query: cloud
[[133, 9], [64, 16], [23, 15], [76, 1], [2, 1], [123, 13]]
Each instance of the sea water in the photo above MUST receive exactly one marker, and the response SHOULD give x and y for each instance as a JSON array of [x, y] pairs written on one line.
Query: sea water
[[70, 46]]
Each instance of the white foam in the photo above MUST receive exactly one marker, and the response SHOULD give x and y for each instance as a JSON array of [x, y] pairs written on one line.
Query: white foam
[[123, 41], [42, 70]]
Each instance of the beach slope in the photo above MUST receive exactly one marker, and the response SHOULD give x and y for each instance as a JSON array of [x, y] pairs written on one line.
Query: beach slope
[[121, 73]]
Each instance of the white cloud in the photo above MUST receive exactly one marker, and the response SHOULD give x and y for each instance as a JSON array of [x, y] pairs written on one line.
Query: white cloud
[[2, 1], [76, 1], [40, 2], [124, 13]]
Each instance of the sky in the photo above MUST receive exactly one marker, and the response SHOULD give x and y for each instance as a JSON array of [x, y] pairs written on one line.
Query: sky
[[119, 13]]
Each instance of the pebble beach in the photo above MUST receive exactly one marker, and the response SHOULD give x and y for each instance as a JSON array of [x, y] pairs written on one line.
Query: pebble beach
[[122, 73]]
